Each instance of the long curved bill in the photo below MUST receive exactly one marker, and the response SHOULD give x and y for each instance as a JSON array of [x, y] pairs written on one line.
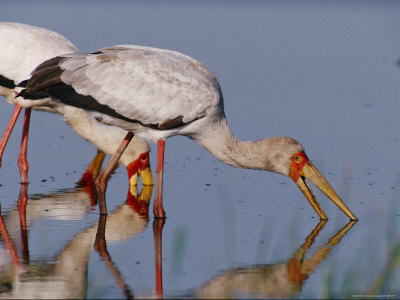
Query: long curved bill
[[311, 172], [147, 177]]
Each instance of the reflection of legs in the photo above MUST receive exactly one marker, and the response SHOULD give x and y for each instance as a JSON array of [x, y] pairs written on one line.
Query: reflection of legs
[[101, 247], [101, 181], [9, 129], [22, 202], [158, 209], [22, 159], [7, 240], [158, 225]]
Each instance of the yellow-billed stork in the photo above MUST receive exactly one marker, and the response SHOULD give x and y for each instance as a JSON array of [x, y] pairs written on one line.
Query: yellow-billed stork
[[155, 94], [22, 48]]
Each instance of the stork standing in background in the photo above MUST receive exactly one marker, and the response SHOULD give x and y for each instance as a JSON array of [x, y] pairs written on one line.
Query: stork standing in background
[[22, 48], [156, 94]]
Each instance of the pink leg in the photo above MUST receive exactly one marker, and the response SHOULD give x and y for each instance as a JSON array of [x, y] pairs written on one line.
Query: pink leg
[[158, 225], [22, 159], [9, 129], [158, 209], [101, 181]]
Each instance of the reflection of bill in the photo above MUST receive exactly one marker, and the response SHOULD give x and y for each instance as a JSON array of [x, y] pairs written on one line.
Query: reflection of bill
[[273, 280], [140, 167], [65, 276]]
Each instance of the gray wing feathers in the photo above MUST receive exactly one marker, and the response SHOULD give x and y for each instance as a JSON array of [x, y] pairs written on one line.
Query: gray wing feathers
[[142, 83]]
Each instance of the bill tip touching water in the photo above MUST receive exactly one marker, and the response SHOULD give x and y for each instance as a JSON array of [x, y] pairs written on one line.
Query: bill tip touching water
[[302, 168], [162, 93]]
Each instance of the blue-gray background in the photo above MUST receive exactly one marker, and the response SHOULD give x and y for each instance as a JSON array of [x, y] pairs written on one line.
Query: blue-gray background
[[323, 72]]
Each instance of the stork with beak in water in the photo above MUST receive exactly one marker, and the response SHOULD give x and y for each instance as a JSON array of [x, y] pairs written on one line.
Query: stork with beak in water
[[154, 94]]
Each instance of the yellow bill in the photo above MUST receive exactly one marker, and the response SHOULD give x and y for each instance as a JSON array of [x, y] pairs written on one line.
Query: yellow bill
[[301, 169]]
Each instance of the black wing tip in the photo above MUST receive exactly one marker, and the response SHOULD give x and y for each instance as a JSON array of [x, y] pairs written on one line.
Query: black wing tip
[[97, 52], [6, 82], [23, 83], [32, 96]]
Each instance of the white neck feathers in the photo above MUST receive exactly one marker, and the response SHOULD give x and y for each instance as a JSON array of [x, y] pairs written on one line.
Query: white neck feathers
[[271, 154]]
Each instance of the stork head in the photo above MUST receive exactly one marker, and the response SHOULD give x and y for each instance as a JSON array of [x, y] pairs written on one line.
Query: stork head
[[286, 156], [302, 168], [141, 166]]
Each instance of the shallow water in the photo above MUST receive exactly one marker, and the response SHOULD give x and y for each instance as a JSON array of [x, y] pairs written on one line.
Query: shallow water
[[325, 73]]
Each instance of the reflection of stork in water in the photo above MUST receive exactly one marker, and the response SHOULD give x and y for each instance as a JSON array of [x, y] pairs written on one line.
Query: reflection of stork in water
[[273, 280], [65, 275], [22, 48], [155, 94], [57, 202]]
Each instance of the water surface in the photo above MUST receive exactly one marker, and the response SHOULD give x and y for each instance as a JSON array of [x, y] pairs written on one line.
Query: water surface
[[325, 73]]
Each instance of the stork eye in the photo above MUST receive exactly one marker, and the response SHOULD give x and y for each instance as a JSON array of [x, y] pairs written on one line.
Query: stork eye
[[296, 158]]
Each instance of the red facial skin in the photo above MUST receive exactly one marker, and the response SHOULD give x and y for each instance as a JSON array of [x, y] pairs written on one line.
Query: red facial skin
[[298, 161], [140, 164]]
